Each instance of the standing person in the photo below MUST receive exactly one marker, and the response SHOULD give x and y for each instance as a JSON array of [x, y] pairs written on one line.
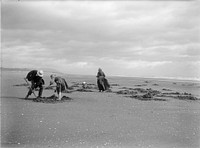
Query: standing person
[[102, 81], [35, 77], [61, 84]]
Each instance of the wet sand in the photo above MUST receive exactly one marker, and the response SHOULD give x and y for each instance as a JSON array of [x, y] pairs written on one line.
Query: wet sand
[[109, 119]]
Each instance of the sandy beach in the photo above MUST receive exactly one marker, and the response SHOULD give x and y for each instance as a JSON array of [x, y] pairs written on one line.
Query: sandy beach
[[124, 117]]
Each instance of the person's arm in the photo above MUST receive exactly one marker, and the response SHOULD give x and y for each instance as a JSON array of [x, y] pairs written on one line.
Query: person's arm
[[59, 93], [42, 81], [58, 83], [51, 83]]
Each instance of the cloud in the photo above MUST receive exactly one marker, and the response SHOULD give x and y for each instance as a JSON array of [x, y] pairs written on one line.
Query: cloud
[[122, 35]]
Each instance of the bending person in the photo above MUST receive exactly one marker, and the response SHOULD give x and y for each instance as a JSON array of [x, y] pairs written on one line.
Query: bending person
[[35, 77], [61, 85]]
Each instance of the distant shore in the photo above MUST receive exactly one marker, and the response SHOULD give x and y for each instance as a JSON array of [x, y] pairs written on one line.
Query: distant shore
[[177, 79]]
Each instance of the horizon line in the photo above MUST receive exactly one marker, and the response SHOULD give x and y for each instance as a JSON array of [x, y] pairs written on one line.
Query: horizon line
[[146, 77]]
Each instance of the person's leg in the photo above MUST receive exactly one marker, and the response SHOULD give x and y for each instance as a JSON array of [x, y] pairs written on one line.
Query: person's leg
[[31, 88], [29, 93], [40, 84], [58, 89], [40, 91]]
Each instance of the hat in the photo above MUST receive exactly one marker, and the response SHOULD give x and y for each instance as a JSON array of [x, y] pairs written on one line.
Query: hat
[[40, 73]]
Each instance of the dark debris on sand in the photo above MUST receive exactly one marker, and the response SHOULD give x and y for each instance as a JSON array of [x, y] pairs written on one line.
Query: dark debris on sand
[[142, 94], [114, 84], [49, 88], [180, 96], [52, 99], [140, 85], [24, 84], [166, 89], [137, 93], [137, 90], [150, 94], [186, 97], [126, 92], [147, 97], [79, 87], [84, 90]]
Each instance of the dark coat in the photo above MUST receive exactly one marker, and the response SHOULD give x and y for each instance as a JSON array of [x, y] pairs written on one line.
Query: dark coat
[[34, 78], [102, 82]]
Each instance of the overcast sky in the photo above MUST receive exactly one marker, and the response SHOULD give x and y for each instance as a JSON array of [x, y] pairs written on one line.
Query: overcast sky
[[128, 38]]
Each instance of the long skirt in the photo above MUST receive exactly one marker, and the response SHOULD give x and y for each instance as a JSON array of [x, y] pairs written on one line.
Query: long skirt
[[103, 84]]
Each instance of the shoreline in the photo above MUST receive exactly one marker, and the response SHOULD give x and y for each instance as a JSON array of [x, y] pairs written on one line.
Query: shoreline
[[162, 79]]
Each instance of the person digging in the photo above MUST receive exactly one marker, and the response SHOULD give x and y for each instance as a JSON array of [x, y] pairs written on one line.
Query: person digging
[[61, 85], [35, 77]]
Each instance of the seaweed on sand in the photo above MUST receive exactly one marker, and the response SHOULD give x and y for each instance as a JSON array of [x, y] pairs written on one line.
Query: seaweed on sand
[[186, 97], [84, 90], [147, 97], [52, 99], [24, 84], [126, 92]]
